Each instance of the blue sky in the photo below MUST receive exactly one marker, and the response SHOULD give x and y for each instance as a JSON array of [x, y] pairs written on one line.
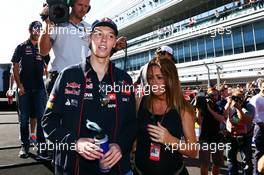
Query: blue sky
[[15, 16]]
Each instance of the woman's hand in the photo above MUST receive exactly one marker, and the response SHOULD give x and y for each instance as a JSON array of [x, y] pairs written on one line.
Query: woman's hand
[[159, 134]]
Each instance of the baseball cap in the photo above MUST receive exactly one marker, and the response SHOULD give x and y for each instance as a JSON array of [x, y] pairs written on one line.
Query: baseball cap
[[35, 25], [166, 49], [105, 22]]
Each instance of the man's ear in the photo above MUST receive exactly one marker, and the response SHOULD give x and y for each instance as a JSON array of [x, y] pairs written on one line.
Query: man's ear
[[114, 44]]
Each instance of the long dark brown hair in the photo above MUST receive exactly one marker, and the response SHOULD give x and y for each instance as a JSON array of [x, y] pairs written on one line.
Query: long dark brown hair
[[173, 91]]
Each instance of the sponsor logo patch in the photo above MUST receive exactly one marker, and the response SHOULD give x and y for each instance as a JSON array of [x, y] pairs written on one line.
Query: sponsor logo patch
[[73, 85], [72, 92], [88, 96], [89, 86], [71, 102], [111, 105], [68, 103], [111, 96], [124, 99], [74, 102], [38, 57]]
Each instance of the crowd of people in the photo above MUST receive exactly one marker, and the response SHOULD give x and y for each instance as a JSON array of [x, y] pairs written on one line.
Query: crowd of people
[[233, 116], [84, 104]]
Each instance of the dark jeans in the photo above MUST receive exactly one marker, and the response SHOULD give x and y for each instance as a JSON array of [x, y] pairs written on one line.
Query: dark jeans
[[31, 99], [259, 141], [240, 144]]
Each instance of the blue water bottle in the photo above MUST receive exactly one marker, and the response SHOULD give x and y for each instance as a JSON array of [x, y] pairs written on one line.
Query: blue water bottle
[[102, 141]]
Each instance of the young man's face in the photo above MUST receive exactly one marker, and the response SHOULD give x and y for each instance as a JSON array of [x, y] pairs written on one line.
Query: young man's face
[[103, 40], [80, 8]]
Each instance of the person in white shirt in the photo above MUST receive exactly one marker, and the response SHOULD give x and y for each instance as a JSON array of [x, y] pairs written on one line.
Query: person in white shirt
[[258, 102], [69, 40], [165, 52]]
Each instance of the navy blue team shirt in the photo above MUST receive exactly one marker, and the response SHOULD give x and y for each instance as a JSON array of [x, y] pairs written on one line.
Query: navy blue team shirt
[[31, 65]]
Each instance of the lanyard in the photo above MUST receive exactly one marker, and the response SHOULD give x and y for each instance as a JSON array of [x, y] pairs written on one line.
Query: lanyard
[[153, 116]]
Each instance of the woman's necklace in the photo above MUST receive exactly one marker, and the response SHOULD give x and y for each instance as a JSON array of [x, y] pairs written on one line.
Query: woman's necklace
[[154, 119]]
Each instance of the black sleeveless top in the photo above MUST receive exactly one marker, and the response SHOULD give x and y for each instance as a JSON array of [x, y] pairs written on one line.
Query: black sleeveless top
[[169, 162]]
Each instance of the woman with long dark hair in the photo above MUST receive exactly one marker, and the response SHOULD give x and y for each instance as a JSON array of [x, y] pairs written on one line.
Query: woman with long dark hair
[[164, 118]]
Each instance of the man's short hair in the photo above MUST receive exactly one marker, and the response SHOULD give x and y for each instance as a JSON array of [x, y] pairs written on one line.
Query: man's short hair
[[35, 25]]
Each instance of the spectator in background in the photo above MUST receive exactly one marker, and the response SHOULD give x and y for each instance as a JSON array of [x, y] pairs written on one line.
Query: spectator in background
[[239, 114], [258, 136], [238, 3], [217, 14], [261, 2], [253, 3], [163, 52], [209, 116], [28, 73], [223, 98], [225, 13], [11, 93], [192, 22], [221, 105], [229, 91]]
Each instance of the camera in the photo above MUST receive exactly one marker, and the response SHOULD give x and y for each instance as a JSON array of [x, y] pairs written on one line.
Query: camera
[[236, 98], [58, 11]]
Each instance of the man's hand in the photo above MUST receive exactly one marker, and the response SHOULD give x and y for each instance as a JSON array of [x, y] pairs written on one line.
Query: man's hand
[[87, 149], [21, 90], [45, 14], [120, 43], [229, 101], [237, 105], [9, 93], [112, 156]]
